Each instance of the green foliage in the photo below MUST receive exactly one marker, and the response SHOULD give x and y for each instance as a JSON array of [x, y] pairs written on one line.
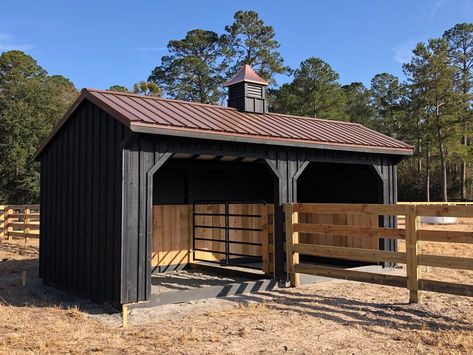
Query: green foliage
[[386, 102], [194, 69], [119, 88], [358, 99], [147, 88], [249, 41], [31, 103], [314, 92]]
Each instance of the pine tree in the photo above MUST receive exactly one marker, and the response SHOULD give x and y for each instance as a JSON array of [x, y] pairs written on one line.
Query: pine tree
[[460, 42], [195, 68], [431, 78], [314, 92], [249, 41]]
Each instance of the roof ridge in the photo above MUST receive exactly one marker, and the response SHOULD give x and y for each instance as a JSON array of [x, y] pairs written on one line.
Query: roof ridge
[[217, 106], [156, 98]]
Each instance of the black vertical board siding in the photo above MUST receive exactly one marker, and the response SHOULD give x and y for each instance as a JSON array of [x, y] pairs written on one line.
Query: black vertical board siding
[[66, 230], [88, 222], [74, 163], [131, 171], [56, 210], [102, 248], [109, 199], [81, 215], [95, 208], [80, 244], [138, 160], [117, 236], [145, 235], [42, 219]]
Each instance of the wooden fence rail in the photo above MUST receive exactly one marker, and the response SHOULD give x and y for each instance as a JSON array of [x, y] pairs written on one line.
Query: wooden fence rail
[[19, 221], [412, 234]]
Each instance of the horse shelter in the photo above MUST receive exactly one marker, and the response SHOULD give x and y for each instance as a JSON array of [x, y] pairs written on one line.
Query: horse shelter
[[133, 186]]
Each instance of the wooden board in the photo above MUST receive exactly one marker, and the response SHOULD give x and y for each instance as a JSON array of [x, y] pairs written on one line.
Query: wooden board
[[339, 220], [172, 231], [173, 228]]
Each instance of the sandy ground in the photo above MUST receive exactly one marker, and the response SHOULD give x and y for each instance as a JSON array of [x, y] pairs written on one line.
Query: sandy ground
[[335, 317]]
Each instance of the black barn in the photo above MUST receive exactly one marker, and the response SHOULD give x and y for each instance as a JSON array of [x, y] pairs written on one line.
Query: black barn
[[114, 155]]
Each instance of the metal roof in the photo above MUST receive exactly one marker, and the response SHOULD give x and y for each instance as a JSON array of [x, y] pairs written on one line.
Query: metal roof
[[147, 114], [246, 74]]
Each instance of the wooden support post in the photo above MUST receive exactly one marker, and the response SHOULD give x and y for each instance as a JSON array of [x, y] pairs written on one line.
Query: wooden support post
[[124, 316], [412, 251], [9, 212], [26, 222], [2, 222], [265, 237], [291, 239], [23, 278]]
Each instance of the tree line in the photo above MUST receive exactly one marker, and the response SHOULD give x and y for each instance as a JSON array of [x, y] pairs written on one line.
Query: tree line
[[432, 108]]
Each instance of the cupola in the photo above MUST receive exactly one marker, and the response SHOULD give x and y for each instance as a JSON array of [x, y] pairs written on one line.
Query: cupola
[[247, 91]]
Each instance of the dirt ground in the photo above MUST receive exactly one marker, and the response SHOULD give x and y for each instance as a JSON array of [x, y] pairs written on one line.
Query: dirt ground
[[334, 317]]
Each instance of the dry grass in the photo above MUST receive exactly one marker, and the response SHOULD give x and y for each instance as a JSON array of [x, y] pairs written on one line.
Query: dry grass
[[334, 317]]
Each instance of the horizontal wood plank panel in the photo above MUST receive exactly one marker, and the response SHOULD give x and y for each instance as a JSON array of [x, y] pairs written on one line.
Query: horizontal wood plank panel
[[353, 275], [449, 262], [446, 287], [445, 236], [368, 255], [350, 231], [445, 211], [348, 208]]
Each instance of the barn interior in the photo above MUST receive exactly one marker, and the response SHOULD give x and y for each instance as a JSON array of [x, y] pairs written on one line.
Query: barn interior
[[323, 182], [210, 222], [213, 217]]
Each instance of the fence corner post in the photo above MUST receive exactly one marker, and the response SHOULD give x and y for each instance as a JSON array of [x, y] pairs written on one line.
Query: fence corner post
[[292, 238], [7, 222], [412, 252], [2, 222], [26, 222]]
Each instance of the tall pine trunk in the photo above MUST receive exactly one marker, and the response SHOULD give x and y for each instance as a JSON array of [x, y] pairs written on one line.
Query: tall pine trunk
[[463, 171], [441, 147], [427, 176]]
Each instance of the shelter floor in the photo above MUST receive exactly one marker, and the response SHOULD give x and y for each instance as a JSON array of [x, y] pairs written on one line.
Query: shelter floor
[[189, 279]]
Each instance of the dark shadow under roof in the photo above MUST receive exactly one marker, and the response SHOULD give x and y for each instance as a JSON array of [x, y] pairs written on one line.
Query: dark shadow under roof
[[147, 114]]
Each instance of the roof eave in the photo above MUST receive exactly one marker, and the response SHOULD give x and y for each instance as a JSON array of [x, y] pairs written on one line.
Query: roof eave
[[141, 128]]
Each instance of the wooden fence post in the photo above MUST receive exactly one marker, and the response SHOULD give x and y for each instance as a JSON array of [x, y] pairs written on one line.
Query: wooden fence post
[[124, 316], [291, 239], [412, 252], [26, 222], [9, 228], [2, 222]]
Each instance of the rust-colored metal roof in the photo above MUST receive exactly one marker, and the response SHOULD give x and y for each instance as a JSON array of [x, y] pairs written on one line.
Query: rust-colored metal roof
[[147, 114], [247, 74]]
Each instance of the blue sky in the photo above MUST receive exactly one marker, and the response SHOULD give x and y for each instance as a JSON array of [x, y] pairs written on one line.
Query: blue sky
[[100, 43]]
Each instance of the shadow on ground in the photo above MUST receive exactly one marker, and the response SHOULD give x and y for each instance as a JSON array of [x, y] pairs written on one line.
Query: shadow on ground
[[351, 312]]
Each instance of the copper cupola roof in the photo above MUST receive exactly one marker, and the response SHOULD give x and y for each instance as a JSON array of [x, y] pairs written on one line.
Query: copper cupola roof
[[246, 74]]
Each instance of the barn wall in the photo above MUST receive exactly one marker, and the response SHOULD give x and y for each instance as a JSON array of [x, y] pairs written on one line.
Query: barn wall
[[80, 244], [286, 164]]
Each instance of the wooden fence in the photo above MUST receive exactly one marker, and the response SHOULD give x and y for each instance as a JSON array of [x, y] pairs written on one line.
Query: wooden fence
[[412, 234], [401, 220], [19, 221]]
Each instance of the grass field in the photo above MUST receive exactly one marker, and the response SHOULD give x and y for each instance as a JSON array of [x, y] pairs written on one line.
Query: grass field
[[335, 317]]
